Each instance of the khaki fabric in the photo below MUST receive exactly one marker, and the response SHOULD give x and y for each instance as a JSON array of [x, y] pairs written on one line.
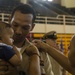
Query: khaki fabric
[[57, 69], [25, 63], [47, 64]]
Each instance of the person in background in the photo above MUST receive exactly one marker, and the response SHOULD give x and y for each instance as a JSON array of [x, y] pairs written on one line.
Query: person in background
[[57, 69], [8, 51], [51, 49], [22, 21]]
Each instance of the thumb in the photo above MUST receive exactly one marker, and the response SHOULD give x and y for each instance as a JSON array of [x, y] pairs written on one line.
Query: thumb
[[28, 42]]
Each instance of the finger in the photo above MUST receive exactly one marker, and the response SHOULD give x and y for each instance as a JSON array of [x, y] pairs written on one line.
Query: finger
[[28, 41], [35, 41]]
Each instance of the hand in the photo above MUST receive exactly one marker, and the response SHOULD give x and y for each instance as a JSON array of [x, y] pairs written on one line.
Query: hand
[[14, 47], [31, 49], [6, 68], [52, 43], [40, 45], [3, 65]]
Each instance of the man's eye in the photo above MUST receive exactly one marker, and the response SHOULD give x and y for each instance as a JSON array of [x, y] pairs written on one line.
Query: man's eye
[[15, 25], [26, 28]]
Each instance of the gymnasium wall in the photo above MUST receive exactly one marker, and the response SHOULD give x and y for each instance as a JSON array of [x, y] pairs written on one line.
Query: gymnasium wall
[[68, 3]]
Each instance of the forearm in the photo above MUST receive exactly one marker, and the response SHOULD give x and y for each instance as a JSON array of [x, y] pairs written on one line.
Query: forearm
[[61, 59], [34, 67], [71, 57], [17, 53]]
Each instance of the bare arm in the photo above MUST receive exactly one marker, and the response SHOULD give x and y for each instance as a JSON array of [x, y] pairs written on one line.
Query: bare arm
[[34, 65], [34, 68], [60, 58], [17, 58], [56, 54]]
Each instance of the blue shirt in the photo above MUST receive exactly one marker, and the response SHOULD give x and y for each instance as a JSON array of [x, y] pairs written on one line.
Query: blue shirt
[[6, 52]]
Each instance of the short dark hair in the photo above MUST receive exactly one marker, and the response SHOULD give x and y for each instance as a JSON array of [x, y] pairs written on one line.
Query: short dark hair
[[25, 9], [50, 35]]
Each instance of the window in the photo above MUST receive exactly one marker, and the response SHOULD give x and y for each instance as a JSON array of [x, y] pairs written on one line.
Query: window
[[48, 0]]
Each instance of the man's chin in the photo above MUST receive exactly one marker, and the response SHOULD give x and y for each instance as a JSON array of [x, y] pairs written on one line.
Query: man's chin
[[17, 41]]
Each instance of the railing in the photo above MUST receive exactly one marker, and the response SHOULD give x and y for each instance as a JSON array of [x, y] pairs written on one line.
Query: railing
[[4, 17], [60, 19]]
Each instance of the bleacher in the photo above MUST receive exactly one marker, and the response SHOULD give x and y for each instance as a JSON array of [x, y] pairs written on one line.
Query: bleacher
[[42, 10], [47, 19], [49, 9], [6, 6]]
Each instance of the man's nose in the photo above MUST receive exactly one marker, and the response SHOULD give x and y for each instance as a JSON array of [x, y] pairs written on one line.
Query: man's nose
[[18, 30]]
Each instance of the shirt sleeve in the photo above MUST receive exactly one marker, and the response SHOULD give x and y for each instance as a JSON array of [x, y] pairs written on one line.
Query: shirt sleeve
[[6, 52]]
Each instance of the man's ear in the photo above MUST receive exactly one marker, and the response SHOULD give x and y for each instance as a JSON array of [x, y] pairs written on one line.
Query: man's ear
[[32, 26], [9, 20], [0, 37]]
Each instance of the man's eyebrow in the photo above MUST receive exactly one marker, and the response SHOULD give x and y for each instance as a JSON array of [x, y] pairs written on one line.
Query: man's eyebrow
[[26, 25], [15, 22]]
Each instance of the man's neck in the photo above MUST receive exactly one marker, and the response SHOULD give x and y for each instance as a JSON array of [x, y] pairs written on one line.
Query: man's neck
[[19, 44]]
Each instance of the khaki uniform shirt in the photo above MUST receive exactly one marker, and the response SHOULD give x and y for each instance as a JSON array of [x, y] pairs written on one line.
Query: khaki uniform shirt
[[47, 64], [25, 62], [57, 69]]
